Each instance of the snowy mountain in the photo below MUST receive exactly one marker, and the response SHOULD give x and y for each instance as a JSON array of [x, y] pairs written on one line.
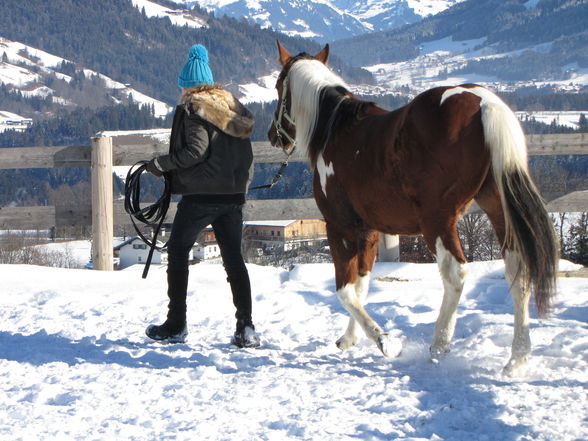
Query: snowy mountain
[[505, 45], [39, 74], [326, 20]]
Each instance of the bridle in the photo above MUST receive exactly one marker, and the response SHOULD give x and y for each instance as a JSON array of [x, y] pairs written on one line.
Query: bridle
[[281, 133]]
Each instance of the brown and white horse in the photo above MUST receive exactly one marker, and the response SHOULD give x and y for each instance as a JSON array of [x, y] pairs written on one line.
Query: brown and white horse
[[413, 171]]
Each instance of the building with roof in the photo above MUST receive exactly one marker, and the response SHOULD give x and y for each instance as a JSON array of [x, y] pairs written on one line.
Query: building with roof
[[284, 235], [134, 251], [206, 247]]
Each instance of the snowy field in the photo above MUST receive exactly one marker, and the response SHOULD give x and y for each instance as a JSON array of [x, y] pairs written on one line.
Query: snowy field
[[75, 364]]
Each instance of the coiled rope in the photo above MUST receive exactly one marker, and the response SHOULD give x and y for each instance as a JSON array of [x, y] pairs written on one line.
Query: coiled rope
[[151, 215]]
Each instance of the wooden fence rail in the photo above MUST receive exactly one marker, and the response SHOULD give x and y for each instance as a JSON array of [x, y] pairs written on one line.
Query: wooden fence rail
[[126, 148]]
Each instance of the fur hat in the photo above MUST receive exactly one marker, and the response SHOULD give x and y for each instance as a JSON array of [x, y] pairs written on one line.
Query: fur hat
[[196, 71]]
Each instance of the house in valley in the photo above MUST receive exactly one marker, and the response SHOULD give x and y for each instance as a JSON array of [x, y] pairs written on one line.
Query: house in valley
[[284, 235]]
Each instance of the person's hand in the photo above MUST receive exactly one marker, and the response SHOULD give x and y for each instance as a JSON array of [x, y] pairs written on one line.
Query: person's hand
[[153, 169]]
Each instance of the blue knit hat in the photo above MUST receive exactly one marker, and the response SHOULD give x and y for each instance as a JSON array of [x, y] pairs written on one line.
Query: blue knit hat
[[196, 71]]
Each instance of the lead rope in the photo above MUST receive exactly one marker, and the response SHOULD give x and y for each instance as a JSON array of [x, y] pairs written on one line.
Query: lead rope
[[152, 215], [278, 175]]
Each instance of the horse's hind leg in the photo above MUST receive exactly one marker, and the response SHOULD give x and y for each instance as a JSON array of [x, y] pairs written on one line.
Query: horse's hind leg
[[521, 342], [451, 263], [353, 258], [489, 200]]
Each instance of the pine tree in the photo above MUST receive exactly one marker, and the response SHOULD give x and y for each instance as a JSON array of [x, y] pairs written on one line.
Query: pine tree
[[579, 240], [583, 123]]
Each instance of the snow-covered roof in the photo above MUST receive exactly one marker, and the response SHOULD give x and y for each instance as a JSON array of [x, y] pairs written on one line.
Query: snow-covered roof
[[268, 223], [130, 240]]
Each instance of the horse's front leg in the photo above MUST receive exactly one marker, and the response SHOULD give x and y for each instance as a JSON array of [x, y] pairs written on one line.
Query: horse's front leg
[[353, 261], [389, 345], [353, 333]]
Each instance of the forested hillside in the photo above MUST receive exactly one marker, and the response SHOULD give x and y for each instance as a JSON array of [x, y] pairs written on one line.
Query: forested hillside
[[114, 38]]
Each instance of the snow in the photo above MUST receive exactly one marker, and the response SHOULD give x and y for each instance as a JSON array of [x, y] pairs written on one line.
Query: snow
[[209, 4], [25, 79], [75, 363], [177, 17], [268, 223], [531, 4], [263, 91], [9, 120], [430, 7], [21, 53], [438, 59], [16, 75], [569, 118]]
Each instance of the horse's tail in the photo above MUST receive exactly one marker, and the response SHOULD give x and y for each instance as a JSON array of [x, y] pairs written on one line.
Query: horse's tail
[[529, 230]]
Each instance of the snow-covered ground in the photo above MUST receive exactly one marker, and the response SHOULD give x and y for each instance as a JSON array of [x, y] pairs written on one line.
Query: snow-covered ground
[[75, 363], [569, 118], [12, 121]]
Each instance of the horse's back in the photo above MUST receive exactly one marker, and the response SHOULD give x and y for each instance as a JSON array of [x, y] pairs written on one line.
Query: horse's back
[[419, 161], [441, 145]]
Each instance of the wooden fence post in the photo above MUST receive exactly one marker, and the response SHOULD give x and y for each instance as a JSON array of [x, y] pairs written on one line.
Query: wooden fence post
[[389, 248], [102, 204]]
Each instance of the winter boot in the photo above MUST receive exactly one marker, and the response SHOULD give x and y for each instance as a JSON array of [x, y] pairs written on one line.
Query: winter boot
[[245, 335], [174, 329]]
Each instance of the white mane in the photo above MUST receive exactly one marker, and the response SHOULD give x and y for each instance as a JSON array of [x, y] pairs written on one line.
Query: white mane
[[307, 78]]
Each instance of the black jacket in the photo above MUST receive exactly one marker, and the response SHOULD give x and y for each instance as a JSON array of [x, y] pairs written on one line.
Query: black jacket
[[210, 151]]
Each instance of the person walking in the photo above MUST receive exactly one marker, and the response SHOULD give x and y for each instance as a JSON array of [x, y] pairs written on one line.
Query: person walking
[[210, 165]]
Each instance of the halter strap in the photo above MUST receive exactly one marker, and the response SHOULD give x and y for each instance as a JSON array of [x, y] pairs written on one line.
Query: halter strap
[[283, 113]]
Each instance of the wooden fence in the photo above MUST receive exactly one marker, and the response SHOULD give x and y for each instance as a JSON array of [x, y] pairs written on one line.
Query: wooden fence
[[126, 148]]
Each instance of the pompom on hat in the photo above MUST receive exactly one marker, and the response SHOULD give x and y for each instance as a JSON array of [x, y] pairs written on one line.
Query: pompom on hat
[[196, 71]]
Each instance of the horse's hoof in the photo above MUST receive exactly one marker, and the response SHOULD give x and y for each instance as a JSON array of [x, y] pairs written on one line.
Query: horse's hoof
[[437, 353], [515, 367], [390, 346], [345, 343]]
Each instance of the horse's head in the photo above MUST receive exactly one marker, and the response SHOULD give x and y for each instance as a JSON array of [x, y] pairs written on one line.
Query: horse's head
[[282, 132]]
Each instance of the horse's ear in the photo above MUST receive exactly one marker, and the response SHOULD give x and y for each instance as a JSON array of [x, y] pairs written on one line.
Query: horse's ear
[[323, 55], [284, 55]]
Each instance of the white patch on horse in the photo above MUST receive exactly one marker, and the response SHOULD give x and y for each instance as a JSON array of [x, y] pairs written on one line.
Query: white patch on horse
[[502, 130], [484, 94], [487, 97], [324, 172]]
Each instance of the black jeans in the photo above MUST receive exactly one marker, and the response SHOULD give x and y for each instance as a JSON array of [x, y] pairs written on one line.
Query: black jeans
[[227, 222]]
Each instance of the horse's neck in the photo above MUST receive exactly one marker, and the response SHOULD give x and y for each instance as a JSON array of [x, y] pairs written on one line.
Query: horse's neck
[[328, 112]]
